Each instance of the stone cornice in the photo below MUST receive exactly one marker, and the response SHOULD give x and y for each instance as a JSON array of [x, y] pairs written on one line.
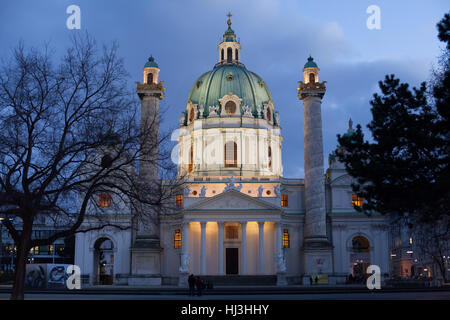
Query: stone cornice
[[311, 89]]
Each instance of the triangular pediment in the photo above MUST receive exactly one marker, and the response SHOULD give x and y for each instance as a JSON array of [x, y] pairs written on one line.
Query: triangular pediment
[[232, 200]]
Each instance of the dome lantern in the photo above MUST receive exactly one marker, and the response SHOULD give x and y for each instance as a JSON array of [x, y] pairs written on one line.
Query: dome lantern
[[229, 48]]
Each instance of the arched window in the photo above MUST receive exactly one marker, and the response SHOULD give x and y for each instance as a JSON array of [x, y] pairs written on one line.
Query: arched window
[[222, 53], [269, 115], [191, 115], [269, 155], [360, 244], [229, 55], [149, 77], [230, 154], [191, 159], [230, 108], [312, 77], [236, 54]]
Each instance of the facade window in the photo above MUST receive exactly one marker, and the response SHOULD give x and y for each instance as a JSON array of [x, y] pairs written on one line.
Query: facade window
[[236, 54], [149, 77], [230, 154], [104, 200], [191, 115], [269, 154], [284, 200], [191, 159], [177, 239], [179, 200], [286, 240], [231, 232], [230, 108], [357, 201], [222, 55], [312, 77]]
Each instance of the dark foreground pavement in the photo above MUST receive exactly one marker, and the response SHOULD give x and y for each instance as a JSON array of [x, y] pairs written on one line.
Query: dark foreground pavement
[[235, 292]]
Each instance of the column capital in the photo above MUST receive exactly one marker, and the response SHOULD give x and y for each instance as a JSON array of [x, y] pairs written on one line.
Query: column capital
[[203, 223]]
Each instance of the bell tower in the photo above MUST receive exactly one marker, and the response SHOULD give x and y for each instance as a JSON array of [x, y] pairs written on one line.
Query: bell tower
[[317, 250]]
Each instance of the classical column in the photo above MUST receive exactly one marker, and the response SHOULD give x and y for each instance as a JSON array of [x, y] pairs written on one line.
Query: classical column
[[220, 251], [244, 247], [316, 246], [311, 94], [203, 248], [261, 247]]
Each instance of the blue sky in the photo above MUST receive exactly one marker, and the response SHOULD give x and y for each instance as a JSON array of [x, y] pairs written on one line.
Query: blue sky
[[276, 39]]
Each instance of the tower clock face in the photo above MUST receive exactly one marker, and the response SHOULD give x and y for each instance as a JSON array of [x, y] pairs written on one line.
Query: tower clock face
[[230, 108]]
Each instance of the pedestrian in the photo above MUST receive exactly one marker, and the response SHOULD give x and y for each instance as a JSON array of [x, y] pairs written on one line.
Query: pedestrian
[[310, 280], [199, 285], [316, 280], [191, 282]]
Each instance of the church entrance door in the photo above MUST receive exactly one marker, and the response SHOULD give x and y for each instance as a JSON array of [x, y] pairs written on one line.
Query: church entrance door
[[232, 260]]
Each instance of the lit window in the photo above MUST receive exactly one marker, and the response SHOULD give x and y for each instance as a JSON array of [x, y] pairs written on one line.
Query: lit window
[[357, 201], [177, 239], [410, 240], [231, 232], [286, 240], [104, 200], [284, 200], [179, 200]]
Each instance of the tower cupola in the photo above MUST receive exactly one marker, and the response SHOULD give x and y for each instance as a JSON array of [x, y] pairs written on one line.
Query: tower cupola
[[229, 48], [311, 71], [151, 71]]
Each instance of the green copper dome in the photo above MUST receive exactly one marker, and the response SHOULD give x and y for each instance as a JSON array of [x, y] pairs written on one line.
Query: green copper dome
[[310, 63], [151, 63], [214, 84]]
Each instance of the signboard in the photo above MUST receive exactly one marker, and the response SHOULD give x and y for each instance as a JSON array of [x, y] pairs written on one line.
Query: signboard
[[46, 275]]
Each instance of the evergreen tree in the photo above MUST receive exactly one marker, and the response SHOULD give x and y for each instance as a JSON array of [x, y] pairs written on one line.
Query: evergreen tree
[[405, 170]]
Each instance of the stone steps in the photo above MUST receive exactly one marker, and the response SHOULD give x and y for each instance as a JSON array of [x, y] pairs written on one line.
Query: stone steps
[[240, 280]]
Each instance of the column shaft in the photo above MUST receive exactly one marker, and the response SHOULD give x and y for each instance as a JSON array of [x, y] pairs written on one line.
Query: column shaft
[[261, 248], [220, 247], [244, 247], [203, 248]]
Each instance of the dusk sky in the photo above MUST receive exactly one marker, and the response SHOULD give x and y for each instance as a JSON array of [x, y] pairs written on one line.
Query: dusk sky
[[276, 37]]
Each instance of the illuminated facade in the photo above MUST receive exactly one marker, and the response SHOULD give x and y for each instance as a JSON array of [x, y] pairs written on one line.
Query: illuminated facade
[[237, 215]]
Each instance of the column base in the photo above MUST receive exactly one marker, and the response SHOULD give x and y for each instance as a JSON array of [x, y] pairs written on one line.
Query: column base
[[317, 256], [281, 279], [183, 280]]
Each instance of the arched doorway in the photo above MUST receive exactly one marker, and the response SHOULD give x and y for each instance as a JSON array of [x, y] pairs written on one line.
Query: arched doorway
[[359, 258], [104, 261]]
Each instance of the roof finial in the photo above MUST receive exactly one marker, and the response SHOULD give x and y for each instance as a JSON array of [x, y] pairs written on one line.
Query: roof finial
[[229, 15], [350, 124]]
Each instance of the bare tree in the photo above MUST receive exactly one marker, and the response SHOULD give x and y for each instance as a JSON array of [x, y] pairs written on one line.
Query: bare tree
[[68, 134]]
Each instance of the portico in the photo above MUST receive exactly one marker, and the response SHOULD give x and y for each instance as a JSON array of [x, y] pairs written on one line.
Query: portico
[[231, 247], [220, 238]]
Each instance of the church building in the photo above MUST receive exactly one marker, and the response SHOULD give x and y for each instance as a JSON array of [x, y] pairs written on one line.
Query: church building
[[237, 218]]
